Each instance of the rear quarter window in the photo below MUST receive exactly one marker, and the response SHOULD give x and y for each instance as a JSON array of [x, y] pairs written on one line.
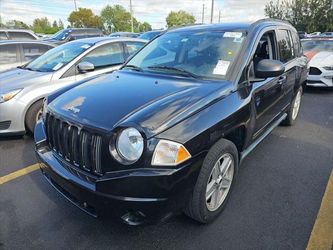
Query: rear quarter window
[[8, 54], [21, 36]]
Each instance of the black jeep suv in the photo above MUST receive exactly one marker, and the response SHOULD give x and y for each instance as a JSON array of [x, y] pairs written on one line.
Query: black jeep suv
[[168, 131]]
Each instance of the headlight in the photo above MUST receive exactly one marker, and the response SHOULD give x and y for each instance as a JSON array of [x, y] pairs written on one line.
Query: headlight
[[328, 67], [168, 153], [8, 95], [130, 145]]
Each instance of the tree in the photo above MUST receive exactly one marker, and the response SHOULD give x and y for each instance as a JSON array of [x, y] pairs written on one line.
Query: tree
[[305, 15], [40, 25], [60, 24], [84, 18], [16, 24], [117, 18], [55, 24], [179, 18]]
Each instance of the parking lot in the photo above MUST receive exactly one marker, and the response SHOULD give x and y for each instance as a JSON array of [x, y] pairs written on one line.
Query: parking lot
[[274, 204]]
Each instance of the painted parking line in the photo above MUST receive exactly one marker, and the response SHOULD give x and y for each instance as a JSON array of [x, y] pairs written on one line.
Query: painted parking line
[[321, 237], [18, 173]]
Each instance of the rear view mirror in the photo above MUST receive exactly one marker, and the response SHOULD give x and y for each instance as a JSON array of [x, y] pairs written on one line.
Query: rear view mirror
[[84, 67], [269, 68]]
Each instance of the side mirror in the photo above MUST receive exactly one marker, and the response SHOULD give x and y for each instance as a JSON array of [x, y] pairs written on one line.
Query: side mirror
[[269, 68], [71, 38], [84, 67]]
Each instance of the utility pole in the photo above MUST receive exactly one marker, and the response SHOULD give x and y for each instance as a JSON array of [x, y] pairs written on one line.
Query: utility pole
[[131, 10], [212, 12], [219, 16], [203, 13], [75, 5]]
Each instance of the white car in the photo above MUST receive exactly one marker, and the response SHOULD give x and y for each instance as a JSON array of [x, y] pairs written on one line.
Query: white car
[[319, 52], [314, 34], [22, 89]]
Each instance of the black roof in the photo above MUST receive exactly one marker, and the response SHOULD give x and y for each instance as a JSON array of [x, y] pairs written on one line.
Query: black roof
[[232, 26]]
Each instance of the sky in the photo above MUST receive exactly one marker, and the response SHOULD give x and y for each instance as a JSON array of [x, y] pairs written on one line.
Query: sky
[[152, 11]]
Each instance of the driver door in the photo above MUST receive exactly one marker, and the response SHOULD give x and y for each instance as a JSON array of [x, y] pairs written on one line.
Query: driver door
[[267, 94]]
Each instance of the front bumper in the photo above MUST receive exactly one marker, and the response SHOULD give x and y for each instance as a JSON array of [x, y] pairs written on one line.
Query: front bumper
[[135, 195], [325, 79], [12, 115]]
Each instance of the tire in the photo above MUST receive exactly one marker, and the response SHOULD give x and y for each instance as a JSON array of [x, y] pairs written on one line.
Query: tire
[[291, 116], [199, 207], [31, 116]]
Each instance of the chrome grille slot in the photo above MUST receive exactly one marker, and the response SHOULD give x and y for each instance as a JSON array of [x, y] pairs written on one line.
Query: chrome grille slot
[[75, 145]]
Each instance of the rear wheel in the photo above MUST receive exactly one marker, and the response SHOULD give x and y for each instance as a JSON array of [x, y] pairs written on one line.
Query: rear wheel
[[294, 109], [34, 113], [214, 183]]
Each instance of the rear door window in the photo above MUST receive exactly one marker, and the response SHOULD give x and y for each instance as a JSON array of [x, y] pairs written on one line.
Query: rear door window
[[285, 46], [32, 51], [21, 36], [8, 54], [106, 55]]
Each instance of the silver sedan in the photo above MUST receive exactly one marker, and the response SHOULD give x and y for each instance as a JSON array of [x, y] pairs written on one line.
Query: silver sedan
[[22, 89]]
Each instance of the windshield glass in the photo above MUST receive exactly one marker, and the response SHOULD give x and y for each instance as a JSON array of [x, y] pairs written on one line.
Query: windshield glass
[[58, 57], [61, 35], [205, 54], [317, 45]]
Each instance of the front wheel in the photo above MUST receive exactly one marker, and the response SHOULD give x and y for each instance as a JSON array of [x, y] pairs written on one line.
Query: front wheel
[[294, 109], [214, 183], [34, 113]]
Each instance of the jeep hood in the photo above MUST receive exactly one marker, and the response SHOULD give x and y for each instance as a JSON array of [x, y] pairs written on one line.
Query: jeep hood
[[126, 98], [20, 78]]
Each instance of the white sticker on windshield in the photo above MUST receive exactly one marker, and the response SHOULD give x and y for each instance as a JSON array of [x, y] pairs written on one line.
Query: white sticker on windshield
[[233, 34], [58, 66], [85, 46], [221, 67]]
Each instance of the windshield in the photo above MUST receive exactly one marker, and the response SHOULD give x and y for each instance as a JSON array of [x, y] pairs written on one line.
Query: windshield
[[58, 57], [205, 54], [61, 35], [317, 45]]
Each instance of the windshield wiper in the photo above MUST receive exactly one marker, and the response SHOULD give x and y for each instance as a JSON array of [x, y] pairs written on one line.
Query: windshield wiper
[[133, 67], [179, 70]]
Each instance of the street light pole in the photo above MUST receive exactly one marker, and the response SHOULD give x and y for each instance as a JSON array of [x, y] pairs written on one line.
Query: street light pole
[[203, 13], [219, 16], [75, 5], [212, 12], [131, 10]]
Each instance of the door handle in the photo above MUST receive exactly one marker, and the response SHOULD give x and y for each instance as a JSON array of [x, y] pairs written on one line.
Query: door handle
[[282, 79]]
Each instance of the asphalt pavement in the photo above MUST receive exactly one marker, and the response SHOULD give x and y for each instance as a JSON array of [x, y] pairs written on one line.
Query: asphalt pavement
[[273, 205]]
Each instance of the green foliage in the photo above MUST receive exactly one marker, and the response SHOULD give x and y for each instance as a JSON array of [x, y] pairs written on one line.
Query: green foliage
[[179, 18], [305, 15], [16, 24], [117, 18], [84, 18], [42, 25]]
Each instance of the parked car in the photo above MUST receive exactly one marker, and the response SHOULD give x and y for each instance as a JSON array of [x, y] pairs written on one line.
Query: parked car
[[17, 34], [71, 34], [168, 131], [319, 51], [17, 53], [314, 34], [22, 90], [149, 35], [124, 34], [327, 34]]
